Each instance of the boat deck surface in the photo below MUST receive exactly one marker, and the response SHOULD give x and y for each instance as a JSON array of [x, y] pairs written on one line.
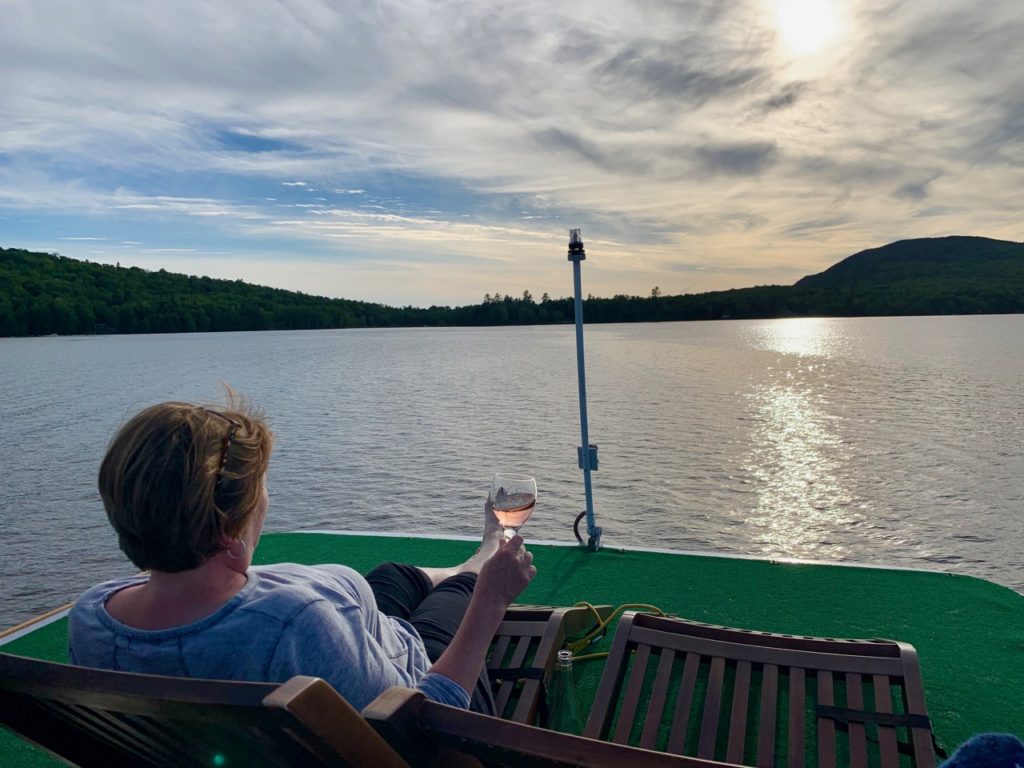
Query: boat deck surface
[[968, 632]]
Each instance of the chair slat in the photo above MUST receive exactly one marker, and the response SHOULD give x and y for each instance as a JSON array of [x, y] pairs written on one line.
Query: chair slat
[[874, 648], [656, 706], [39, 725], [712, 709], [164, 740], [104, 725], [888, 742], [182, 743], [515, 628], [151, 744], [858, 734], [757, 654], [826, 726], [611, 681], [518, 660], [684, 703], [768, 716], [631, 699], [797, 707], [499, 650], [738, 717]]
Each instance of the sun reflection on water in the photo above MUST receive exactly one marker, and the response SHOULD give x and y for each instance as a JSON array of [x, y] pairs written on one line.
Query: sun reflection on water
[[797, 448], [798, 336]]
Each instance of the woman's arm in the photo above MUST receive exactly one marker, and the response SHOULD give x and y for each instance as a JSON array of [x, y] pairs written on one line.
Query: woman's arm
[[501, 579]]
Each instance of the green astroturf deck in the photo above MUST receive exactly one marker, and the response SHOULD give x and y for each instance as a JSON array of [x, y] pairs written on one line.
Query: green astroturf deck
[[969, 633]]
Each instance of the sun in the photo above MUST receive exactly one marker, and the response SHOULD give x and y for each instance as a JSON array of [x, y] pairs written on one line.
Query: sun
[[807, 26]]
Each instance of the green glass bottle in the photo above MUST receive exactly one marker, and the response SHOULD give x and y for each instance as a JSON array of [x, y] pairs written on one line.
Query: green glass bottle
[[565, 713]]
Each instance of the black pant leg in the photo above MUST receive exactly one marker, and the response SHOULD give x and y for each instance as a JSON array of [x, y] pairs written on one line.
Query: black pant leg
[[437, 619], [398, 588]]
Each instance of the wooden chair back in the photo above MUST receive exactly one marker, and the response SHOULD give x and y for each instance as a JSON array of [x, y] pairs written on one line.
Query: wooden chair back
[[434, 735], [96, 718], [755, 698], [523, 654]]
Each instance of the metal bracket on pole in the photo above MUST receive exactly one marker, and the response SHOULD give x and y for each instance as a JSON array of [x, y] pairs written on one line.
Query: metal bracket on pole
[[591, 457], [587, 458]]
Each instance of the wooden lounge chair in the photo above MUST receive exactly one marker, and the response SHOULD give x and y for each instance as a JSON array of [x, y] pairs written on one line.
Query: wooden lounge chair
[[95, 718], [754, 698], [434, 735], [99, 718]]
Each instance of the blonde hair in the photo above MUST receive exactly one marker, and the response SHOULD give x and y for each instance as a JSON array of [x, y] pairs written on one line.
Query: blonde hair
[[178, 478]]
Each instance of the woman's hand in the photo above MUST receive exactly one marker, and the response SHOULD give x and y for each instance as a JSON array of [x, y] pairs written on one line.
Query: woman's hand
[[506, 573]]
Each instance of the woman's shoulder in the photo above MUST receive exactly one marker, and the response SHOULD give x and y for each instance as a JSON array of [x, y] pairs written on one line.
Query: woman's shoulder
[[95, 597], [89, 624]]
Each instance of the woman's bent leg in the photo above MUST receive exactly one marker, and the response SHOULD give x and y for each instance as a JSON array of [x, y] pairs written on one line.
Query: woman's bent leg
[[398, 588], [405, 592]]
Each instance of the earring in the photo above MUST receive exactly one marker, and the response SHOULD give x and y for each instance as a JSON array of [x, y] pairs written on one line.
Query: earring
[[234, 556]]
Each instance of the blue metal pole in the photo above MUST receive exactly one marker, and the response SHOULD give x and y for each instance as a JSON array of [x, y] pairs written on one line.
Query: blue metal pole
[[587, 453]]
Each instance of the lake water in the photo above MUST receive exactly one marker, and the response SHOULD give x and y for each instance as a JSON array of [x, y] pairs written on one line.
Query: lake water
[[891, 441]]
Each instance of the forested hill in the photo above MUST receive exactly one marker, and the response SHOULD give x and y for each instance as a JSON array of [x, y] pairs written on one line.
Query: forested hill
[[939, 275], [956, 258], [44, 293]]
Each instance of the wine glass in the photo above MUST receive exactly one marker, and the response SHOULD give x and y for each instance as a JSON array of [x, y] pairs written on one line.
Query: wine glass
[[513, 497]]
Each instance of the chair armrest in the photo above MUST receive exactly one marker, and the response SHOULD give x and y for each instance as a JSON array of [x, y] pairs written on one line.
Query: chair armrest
[[394, 715]]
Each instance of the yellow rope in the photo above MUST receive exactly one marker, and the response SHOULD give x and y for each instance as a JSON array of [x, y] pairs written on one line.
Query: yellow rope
[[601, 626], [590, 656]]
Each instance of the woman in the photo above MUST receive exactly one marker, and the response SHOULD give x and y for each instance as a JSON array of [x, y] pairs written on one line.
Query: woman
[[184, 488]]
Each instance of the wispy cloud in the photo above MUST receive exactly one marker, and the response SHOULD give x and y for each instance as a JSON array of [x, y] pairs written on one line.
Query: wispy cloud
[[470, 135]]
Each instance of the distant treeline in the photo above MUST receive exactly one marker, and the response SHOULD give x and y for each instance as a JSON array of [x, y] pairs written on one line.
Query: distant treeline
[[43, 294]]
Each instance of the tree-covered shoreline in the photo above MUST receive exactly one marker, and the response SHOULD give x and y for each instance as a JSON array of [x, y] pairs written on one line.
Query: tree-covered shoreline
[[43, 294]]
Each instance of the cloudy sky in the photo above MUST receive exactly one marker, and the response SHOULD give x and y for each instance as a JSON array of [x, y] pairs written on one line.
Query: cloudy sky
[[430, 152]]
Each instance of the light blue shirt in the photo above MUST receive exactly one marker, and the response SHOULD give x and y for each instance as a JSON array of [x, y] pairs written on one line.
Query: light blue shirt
[[287, 620]]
